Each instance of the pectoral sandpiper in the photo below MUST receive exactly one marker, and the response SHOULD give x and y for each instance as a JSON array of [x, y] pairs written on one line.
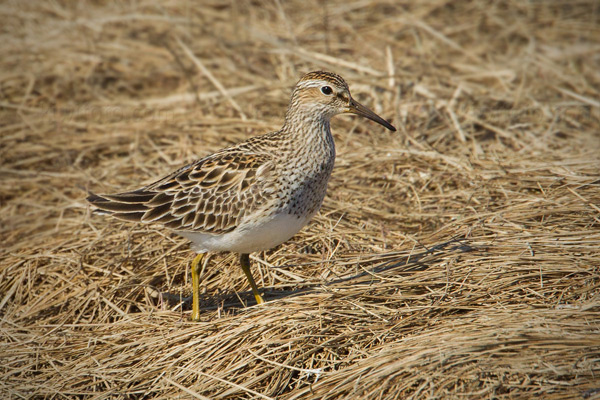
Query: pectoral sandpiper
[[255, 195]]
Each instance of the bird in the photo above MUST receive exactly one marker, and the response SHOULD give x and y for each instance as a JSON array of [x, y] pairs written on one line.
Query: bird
[[254, 195]]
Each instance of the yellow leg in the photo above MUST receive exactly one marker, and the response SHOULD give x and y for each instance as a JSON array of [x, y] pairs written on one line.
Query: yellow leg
[[245, 261], [196, 266]]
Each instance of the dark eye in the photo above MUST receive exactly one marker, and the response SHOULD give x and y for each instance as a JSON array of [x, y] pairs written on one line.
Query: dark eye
[[326, 90]]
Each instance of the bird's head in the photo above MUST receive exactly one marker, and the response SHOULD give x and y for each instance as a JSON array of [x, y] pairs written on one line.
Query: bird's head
[[326, 94]]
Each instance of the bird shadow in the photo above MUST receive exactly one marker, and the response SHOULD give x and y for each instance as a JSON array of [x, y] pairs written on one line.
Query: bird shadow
[[379, 264], [373, 268]]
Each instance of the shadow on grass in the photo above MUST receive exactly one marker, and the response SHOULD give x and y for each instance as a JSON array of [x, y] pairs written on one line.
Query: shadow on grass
[[377, 265]]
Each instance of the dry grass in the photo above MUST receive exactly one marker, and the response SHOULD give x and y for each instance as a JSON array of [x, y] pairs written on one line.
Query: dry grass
[[457, 258]]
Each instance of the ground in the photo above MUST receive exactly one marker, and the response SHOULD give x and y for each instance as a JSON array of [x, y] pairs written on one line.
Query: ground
[[456, 258]]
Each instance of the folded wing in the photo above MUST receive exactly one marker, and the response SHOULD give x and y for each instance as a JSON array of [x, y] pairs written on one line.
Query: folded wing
[[212, 195]]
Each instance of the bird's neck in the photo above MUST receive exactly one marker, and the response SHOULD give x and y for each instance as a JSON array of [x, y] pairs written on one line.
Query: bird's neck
[[309, 129]]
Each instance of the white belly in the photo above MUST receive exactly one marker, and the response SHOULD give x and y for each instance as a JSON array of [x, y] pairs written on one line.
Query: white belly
[[250, 237]]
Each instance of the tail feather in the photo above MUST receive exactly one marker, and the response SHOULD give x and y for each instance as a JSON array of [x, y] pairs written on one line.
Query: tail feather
[[125, 206], [137, 196], [133, 216], [115, 206], [94, 198]]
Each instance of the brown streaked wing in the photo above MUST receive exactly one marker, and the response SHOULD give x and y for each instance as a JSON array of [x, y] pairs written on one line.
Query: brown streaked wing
[[213, 194]]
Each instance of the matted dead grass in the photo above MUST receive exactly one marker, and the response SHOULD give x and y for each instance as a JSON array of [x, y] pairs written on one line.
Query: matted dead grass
[[457, 258]]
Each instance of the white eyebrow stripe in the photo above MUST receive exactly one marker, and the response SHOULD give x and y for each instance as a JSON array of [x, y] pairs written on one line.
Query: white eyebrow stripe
[[311, 83]]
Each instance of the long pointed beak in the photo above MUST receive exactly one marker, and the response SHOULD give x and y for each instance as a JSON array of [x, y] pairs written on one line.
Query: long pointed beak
[[356, 108]]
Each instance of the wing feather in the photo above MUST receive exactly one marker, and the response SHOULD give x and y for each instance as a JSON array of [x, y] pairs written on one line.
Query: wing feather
[[212, 195]]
